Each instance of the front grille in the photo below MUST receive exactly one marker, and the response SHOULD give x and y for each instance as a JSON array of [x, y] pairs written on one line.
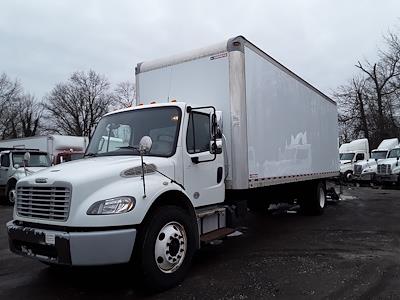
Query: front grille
[[384, 169], [49, 203], [357, 170]]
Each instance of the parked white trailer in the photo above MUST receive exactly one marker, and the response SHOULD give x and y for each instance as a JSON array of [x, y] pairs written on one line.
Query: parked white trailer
[[160, 179], [55, 145]]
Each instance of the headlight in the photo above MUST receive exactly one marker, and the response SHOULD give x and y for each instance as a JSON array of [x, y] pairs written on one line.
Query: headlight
[[112, 206]]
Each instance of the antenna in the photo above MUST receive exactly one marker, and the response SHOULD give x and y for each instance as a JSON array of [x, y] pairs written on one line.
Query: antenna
[[170, 83]]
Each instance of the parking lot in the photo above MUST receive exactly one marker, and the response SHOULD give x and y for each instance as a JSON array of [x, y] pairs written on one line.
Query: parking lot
[[351, 251]]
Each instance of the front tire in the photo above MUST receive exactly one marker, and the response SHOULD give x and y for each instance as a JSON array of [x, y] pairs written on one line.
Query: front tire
[[166, 247], [11, 193]]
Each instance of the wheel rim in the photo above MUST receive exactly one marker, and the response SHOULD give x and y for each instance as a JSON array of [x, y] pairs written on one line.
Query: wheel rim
[[12, 196], [322, 197], [170, 247]]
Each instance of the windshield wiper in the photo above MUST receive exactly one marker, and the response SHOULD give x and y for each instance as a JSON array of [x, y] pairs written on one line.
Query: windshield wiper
[[129, 148], [91, 154]]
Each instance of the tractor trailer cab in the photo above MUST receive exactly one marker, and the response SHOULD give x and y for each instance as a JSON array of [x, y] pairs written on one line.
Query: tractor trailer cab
[[351, 153], [365, 171], [161, 179]]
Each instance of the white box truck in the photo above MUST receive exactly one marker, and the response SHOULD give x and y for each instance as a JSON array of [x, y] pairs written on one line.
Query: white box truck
[[160, 179], [60, 148], [365, 170], [350, 153]]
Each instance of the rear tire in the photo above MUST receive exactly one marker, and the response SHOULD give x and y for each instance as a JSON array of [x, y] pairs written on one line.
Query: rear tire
[[165, 248], [314, 199]]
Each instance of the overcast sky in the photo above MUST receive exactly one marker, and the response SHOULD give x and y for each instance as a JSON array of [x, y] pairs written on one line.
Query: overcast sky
[[43, 41]]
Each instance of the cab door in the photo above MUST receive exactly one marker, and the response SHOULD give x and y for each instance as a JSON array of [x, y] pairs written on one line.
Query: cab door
[[203, 170]]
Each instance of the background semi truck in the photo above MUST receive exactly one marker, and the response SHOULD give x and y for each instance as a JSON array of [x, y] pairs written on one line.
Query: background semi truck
[[350, 153], [388, 170], [365, 170], [13, 167], [231, 127], [59, 147]]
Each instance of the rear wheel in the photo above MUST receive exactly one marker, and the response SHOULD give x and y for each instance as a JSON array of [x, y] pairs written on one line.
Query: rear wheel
[[166, 247], [314, 199]]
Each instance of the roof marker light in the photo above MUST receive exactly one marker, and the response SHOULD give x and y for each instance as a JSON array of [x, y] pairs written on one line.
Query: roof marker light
[[153, 102]]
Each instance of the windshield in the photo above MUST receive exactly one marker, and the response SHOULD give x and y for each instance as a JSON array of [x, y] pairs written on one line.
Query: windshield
[[116, 134], [36, 160], [394, 153], [378, 154], [347, 156]]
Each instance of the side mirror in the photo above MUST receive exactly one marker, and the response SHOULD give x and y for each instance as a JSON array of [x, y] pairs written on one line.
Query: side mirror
[[27, 157], [216, 147], [145, 144]]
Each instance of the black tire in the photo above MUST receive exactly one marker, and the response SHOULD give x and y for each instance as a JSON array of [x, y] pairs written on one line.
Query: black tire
[[150, 273], [11, 190], [313, 200], [347, 176], [257, 206]]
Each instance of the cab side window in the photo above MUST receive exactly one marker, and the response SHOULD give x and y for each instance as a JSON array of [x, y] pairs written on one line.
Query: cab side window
[[360, 156], [198, 133], [5, 160]]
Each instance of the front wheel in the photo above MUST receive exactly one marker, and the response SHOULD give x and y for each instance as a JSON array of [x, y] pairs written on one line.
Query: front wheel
[[166, 247], [11, 193]]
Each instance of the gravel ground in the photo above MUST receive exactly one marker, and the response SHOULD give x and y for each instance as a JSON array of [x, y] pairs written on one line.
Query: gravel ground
[[352, 251]]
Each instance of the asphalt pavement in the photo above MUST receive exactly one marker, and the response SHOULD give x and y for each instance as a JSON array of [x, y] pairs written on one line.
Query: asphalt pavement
[[352, 251]]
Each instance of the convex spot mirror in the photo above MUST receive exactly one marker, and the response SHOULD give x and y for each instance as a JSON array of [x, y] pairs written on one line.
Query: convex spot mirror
[[17, 166], [145, 144], [216, 147], [27, 157]]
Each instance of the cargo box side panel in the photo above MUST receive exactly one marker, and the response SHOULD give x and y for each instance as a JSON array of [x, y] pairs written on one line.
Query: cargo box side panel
[[292, 128], [198, 82]]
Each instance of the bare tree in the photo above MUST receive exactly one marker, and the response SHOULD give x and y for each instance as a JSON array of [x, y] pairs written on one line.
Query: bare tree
[[21, 114], [383, 75], [75, 106], [369, 105], [124, 94]]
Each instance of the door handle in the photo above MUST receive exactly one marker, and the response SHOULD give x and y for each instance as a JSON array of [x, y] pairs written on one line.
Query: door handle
[[219, 174]]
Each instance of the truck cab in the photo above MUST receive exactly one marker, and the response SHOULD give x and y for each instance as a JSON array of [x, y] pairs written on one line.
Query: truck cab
[[388, 170], [365, 171], [144, 165], [13, 167], [351, 153]]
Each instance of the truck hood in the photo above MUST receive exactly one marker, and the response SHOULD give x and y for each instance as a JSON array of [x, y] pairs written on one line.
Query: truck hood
[[367, 163], [97, 170], [20, 172], [389, 161]]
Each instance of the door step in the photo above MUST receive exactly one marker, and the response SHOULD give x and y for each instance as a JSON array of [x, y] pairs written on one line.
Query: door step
[[216, 234]]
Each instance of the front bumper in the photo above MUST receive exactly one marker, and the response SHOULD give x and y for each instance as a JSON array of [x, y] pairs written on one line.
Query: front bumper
[[88, 248], [364, 177], [387, 178]]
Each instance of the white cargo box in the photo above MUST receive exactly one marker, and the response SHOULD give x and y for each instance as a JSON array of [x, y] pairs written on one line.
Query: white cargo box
[[278, 127]]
